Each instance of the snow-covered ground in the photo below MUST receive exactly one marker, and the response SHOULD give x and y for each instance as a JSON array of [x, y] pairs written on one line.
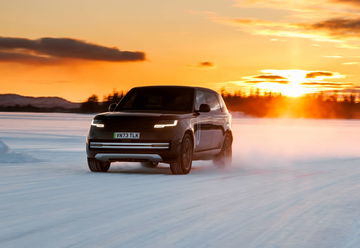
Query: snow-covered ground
[[294, 183]]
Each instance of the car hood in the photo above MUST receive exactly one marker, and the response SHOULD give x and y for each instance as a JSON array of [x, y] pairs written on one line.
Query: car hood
[[139, 115]]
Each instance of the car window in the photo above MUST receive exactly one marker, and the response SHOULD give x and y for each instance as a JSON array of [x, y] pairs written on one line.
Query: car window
[[200, 99], [207, 97], [222, 104], [212, 100], [158, 99]]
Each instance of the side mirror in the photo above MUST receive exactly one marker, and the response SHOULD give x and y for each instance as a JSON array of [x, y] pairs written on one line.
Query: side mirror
[[112, 107], [204, 108]]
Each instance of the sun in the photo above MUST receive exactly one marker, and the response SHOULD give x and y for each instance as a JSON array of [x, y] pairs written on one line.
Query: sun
[[294, 78], [293, 90]]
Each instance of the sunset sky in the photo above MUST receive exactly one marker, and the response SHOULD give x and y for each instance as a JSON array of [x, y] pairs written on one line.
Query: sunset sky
[[73, 49]]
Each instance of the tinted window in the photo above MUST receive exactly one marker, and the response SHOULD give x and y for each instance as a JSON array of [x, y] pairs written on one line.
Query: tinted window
[[200, 99], [222, 104], [158, 99], [208, 97]]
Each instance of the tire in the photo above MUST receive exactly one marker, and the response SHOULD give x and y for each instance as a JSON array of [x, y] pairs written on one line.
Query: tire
[[97, 165], [183, 163], [224, 159], [149, 164]]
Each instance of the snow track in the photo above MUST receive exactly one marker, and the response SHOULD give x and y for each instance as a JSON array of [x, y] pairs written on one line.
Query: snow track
[[294, 183]]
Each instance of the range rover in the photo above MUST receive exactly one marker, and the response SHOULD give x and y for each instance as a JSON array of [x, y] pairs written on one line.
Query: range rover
[[167, 124]]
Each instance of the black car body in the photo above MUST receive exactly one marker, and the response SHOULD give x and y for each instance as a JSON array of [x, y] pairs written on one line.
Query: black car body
[[169, 124]]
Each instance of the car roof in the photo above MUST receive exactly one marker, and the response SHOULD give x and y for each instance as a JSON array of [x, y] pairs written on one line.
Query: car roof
[[176, 86]]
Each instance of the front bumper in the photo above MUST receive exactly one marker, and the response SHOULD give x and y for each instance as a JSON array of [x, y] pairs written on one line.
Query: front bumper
[[110, 150], [156, 150], [129, 145]]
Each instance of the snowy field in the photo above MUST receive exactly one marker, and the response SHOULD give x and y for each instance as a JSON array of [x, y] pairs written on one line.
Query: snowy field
[[293, 183]]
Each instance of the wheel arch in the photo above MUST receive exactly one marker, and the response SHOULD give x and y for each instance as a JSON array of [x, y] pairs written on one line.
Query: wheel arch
[[191, 133]]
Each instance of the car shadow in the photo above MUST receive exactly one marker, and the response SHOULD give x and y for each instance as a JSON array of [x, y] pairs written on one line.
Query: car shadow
[[119, 170], [162, 169], [136, 168]]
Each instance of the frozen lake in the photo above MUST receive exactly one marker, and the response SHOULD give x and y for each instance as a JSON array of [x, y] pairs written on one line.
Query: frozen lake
[[293, 183]]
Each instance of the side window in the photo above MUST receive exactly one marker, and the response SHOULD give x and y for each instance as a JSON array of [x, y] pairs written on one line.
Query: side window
[[222, 104], [130, 101], [212, 100], [200, 99]]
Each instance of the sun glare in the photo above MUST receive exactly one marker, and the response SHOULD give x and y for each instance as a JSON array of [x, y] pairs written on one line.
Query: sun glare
[[290, 82], [293, 90]]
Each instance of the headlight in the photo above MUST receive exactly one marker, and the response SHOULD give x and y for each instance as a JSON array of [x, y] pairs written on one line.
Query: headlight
[[97, 123], [166, 123]]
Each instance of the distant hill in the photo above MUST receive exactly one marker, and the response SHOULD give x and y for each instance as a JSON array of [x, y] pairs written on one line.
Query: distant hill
[[12, 100]]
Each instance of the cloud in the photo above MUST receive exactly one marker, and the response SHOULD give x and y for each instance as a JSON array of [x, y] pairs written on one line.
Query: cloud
[[266, 77], [26, 58], [48, 50], [317, 20], [328, 85], [280, 81], [271, 77], [319, 74], [338, 87], [302, 8], [266, 81], [251, 82], [278, 28], [337, 30], [352, 2], [206, 64], [305, 81], [339, 27]]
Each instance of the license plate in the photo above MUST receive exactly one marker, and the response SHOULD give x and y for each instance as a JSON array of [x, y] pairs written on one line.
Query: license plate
[[126, 135]]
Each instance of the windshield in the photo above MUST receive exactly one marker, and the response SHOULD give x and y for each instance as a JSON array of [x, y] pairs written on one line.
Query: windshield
[[175, 99]]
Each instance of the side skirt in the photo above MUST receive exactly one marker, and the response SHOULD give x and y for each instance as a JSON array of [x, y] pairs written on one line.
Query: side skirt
[[206, 155]]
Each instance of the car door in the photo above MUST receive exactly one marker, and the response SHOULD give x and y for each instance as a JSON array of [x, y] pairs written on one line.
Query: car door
[[215, 121], [202, 125]]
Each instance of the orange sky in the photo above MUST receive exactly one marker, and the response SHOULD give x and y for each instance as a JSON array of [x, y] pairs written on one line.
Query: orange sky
[[293, 47]]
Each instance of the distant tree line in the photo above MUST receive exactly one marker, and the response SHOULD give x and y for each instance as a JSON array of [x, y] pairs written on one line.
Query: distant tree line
[[93, 105], [266, 104], [318, 105]]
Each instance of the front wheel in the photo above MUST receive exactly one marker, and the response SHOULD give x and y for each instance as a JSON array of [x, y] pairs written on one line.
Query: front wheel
[[97, 165], [183, 163], [224, 158]]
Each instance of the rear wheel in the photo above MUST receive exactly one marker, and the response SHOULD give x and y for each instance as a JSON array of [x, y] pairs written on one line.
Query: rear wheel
[[224, 159], [149, 164], [97, 165], [183, 163]]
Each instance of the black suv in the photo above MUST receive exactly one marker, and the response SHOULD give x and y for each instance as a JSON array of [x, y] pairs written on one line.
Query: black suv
[[169, 124]]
